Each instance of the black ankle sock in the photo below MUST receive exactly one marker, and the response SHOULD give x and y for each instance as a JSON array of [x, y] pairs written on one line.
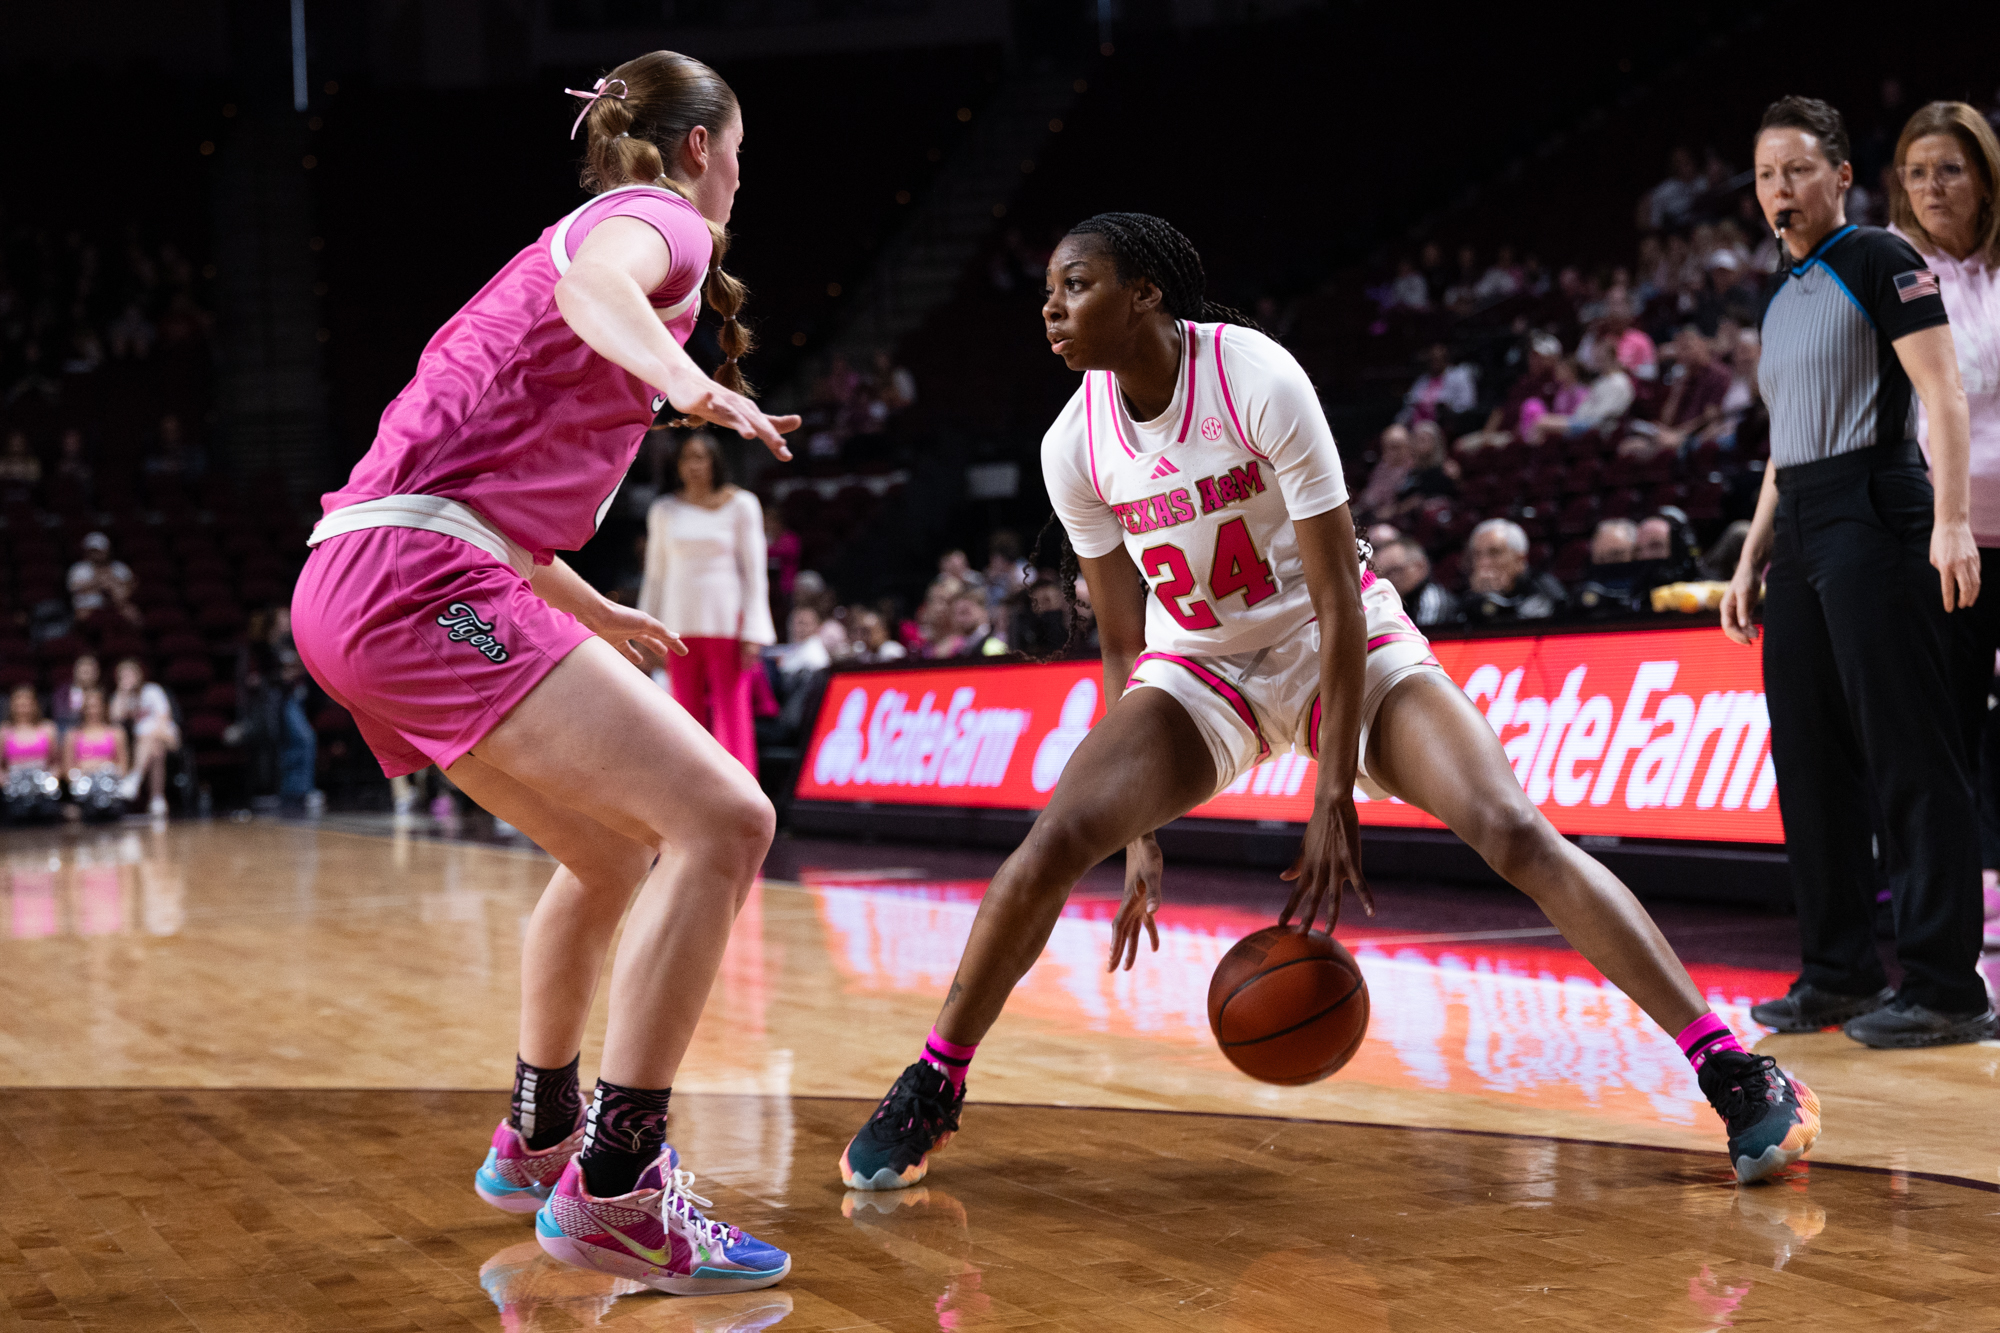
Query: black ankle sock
[[546, 1103], [627, 1128]]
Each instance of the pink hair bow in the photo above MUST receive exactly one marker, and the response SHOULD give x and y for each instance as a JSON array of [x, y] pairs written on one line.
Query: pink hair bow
[[590, 99]]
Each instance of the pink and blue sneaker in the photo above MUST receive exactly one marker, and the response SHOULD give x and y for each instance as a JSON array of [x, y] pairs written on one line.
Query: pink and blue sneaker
[[515, 1179], [655, 1235]]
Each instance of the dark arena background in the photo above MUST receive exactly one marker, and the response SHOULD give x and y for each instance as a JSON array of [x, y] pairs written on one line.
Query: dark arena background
[[260, 998]]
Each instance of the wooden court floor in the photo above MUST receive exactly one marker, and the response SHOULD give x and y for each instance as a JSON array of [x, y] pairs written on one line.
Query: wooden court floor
[[250, 1068]]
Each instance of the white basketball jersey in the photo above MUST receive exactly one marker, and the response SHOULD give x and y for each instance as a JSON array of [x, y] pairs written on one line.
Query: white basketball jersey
[[1203, 496]]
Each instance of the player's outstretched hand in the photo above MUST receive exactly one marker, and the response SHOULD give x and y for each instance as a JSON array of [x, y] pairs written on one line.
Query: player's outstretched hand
[[628, 629], [1143, 864], [1329, 861], [699, 396]]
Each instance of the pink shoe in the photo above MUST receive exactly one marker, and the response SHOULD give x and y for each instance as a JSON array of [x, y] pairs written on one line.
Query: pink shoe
[[515, 1180], [655, 1235]]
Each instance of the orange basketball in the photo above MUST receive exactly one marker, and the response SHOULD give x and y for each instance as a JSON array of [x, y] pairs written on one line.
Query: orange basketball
[[1287, 1006]]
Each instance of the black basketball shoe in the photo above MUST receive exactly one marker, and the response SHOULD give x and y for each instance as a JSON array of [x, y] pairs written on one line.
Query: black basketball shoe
[[1772, 1118], [894, 1148]]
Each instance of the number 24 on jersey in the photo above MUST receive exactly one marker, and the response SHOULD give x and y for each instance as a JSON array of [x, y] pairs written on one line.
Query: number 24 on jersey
[[1235, 567]]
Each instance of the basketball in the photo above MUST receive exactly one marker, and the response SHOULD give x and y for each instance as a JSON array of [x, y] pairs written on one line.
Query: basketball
[[1287, 1006]]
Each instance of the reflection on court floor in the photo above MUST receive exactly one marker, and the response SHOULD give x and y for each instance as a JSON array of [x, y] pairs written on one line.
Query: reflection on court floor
[[1501, 1013]]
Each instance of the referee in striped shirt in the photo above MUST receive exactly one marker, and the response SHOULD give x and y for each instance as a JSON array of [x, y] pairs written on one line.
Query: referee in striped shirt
[[1867, 562]]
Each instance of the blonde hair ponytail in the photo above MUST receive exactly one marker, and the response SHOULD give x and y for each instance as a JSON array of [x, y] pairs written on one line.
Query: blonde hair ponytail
[[666, 95]]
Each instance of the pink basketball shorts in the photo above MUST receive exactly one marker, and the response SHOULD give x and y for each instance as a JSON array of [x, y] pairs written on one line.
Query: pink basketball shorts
[[427, 640]]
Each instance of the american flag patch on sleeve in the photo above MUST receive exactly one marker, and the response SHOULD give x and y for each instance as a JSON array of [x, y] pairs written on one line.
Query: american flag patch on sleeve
[[1917, 282]]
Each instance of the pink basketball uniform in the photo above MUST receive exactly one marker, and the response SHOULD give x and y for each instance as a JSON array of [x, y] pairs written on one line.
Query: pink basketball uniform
[[519, 435]]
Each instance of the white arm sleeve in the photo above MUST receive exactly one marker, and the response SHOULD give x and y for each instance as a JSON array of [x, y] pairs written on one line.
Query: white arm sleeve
[[753, 623], [1285, 422], [1093, 531], [653, 587]]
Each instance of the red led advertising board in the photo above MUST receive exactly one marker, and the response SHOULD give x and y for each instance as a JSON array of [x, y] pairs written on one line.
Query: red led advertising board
[[1638, 734]]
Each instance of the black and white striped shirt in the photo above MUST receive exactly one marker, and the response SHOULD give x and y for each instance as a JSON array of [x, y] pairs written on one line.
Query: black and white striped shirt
[[1829, 372]]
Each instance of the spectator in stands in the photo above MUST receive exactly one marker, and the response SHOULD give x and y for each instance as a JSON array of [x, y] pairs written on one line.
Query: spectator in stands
[[705, 580], [172, 455], [143, 706], [1443, 390], [1430, 262], [1603, 405], [1670, 205], [1696, 389], [1721, 559], [299, 747], [1407, 566], [132, 334], [95, 745], [29, 745], [1379, 535], [1409, 291], [934, 616], [1461, 296], [1666, 548], [1537, 381], [1501, 279], [1615, 542], [809, 589], [971, 629], [1741, 414], [1006, 572], [100, 586], [895, 387], [1433, 473], [871, 638], [1392, 469], [19, 468], [804, 650], [1612, 584], [1040, 623], [1500, 587], [953, 565], [1614, 324], [781, 558], [1725, 295], [66, 703]]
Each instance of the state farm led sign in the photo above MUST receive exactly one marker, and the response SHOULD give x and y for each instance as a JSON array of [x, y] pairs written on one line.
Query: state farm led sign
[[1653, 734]]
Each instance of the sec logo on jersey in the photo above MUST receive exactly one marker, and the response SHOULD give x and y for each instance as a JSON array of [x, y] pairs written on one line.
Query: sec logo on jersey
[[1211, 429]]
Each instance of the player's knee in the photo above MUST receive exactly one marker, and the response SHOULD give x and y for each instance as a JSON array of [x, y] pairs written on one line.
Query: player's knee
[[738, 829], [1511, 835], [1059, 849]]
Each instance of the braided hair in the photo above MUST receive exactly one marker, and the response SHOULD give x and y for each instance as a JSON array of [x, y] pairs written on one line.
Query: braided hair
[[1150, 249]]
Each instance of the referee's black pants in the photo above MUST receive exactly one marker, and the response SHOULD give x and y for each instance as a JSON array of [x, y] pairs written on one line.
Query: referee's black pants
[[1860, 669]]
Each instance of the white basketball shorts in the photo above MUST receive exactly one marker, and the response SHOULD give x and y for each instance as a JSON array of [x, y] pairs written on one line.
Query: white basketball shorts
[[1249, 706]]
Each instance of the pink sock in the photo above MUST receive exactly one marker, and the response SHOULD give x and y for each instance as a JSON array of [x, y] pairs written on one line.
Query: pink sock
[[1704, 1037], [949, 1057]]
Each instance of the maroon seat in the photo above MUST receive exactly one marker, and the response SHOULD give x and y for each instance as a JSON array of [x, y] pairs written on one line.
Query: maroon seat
[[1579, 516], [205, 728], [188, 670]]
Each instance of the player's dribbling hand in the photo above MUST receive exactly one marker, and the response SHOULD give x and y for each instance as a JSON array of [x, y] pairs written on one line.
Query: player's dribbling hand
[[628, 629], [702, 397], [1329, 860], [1143, 864]]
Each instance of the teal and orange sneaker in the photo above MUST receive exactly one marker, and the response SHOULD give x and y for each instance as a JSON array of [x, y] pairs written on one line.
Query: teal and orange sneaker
[[917, 1118], [1771, 1116], [656, 1235], [516, 1179]]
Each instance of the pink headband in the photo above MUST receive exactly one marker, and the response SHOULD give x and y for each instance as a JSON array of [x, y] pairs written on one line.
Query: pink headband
[[590, 99]]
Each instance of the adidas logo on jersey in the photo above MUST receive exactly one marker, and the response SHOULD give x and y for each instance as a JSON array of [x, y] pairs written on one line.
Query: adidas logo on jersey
[[1165, 467]]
